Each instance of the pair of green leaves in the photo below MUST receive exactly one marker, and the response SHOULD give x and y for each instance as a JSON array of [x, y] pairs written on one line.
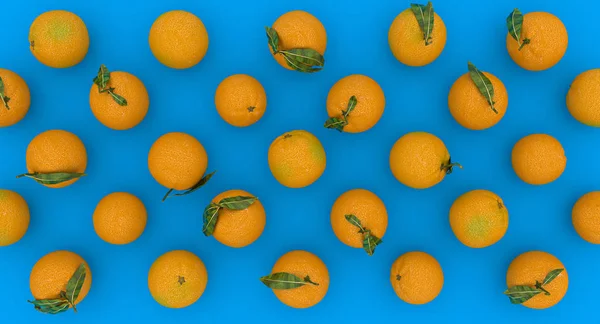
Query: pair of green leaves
[[197, 186], [514, 23], [425, 16], [523, 293], [484, 85], [448, 167], [52, 178], [300, 59], [211, 212], [340, 122], [284, 280], [102, 79], [3, 96], [66, 298], [370, 241]]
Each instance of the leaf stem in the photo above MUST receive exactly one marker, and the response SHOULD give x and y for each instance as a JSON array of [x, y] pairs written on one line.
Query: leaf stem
[[167, 195], [525, 42]]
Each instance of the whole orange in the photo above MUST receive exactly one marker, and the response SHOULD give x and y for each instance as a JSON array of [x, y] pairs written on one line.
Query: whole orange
[[586, 217], [583, 98], [120, 218], [538, 159], [239, 228], [417, 278], [14, 217], [15, 98], [240, 100]]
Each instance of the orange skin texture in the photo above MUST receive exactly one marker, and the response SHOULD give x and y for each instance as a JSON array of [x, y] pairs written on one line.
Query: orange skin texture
[[56, 151], [178, 39], [299, 29], [549, 41], [417, 158], [538, 159], [471, 109], [177, 279], [239, 228], [407, 42], [370, 102], [120, 218], [421, 278], [59, 39], [586, 217], [20, 99], [479, 218], [51, 273], [583, 98], [177, 161], [535, 265], [14, 217], [240, 100], [302, 264], [367, 207], [110, 113], [297, 159]]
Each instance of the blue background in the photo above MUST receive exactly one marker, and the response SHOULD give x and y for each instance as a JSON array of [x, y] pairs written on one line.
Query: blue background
[[540, 217]]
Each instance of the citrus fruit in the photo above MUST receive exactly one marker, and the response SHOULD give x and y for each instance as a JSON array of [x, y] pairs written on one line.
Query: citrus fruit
[[298, 30], [408, 42], [479, 218], [545, 39], [297, 159], [533, 267], [586, 217], [307, 267], [471, 109], [417, 278], [14, 217], [14, 98], [367, 106], [114, 112], [120, 218], [370, 212], [583, 98], [59, 39], [538, 159], [50, 275], [56, 152], [177, 279], [420, 160], [178, 39], [240, 100], [237, 226]]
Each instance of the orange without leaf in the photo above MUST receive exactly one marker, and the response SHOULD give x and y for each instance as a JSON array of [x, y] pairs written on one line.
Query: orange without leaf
[[14, 98], [417, 278], [583, 98], [240, 100], [586, 217], [14, 217], [538, 159], [120, 218]]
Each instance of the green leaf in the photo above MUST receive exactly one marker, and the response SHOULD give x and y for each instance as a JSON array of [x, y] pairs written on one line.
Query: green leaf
[[52, 178], [210, 217], [551, 276], [237, 203], [284, 280], [335, 123], [352, 219], [273, 39], [197, 186], [351, 105], [74, 285], [514, 23], [51, 306], [425, 17], [304, 59], [370, 242], [521, 294], [3, 96], [483, 84], [103, 77], [118, 99]]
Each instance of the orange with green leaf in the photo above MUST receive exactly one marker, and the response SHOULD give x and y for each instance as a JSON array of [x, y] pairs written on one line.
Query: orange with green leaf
[[15, 98]]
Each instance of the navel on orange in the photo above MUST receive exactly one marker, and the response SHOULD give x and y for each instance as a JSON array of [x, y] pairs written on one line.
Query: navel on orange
[[15, 98], [120, 218], [417, 278], [538, 159], [14, 217], [240, 100]]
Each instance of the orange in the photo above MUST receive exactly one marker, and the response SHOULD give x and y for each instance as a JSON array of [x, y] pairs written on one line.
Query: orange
[[239, 228], [297, 159], [420, 160], [14, 217], [241, 100], [471, 109], [586, 217], [479, 218], [299, 29], [370, 102], [59, 39], [177, 161], [56, 151], [120, 218], [533, 266], [367, 207], [178, 39], [16, 96], [302, 264], [417, 278], [177, 279], [538, 159], [113, 115], [548, 42], [51, 273], [407, 41], [583, 98]]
